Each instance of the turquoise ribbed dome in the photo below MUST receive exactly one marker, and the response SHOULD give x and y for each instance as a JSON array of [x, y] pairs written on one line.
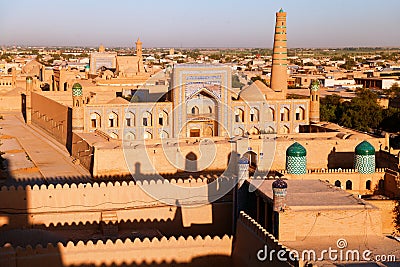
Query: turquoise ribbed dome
[[365, 149], [296, 150]]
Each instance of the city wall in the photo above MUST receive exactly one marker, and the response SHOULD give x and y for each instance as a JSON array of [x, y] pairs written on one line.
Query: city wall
[[392, 184], [196, 251], [388, 215], [323, 153], [250, 238], [301, 222], [332, 154], [52, 117], [146, 201], [358, 180]]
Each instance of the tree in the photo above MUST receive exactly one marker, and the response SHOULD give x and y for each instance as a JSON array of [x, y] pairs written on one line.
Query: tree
[[236, 82], [258, 78], [362, 113], [329, 108], [349, 65]]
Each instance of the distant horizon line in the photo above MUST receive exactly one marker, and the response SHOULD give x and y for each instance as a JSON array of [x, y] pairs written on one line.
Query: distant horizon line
[[192, 47]]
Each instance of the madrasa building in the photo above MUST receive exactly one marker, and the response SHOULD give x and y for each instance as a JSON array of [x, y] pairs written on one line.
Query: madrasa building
[[200, 102], [299, 206], [178, 108]]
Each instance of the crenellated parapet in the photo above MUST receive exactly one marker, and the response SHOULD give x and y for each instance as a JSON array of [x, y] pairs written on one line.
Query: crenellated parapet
[[254, 241], [339, 170], [85, 202], [128, 251]]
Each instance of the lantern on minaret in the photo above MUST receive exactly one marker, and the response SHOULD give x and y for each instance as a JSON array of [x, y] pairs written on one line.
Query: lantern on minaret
[[14, 77], [77, 108], [28, 95], [139, 55], [279, 188], [314, 102], [243, 172]]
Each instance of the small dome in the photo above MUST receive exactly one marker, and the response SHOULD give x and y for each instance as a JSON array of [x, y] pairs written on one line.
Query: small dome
[[243, 160], [281, 10], [365, 149], [314, 85], [296, 150], [77, 89], [77, 86], [279, 183], [29, 78]]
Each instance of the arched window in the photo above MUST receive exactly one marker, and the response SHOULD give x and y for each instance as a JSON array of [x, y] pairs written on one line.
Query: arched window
[[272, 113], [129, 119], [254, 131], [210, 110], [239, 115], [270, 130], [163, 118], [114, 135], [254, 115], [338, 184], [285, 114], [164, 134], [368, 185], [95, 120], [130, 136], [112, 120], [300, 114], [147, 135], [285, 130], [146, 119], [239, 132], [195, 110], [349, 185]]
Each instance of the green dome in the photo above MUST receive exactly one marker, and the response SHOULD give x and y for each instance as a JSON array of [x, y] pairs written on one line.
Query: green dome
[[29, 78], [281, 10], [296, 150], [77, 89], [365, 149]]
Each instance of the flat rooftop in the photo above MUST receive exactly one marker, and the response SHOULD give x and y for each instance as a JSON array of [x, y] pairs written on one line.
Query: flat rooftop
[[310, 194]]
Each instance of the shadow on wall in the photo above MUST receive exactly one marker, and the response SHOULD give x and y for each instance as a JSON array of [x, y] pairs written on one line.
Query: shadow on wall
[[212, 260], [16, 219], [23, 106], [19, 231], [344, 160]]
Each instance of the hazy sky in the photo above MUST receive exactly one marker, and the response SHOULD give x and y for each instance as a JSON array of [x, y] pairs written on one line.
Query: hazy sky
[[202, 23]]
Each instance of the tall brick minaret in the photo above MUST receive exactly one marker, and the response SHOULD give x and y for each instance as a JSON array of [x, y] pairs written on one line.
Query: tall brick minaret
[[279, 57], [139, 55]]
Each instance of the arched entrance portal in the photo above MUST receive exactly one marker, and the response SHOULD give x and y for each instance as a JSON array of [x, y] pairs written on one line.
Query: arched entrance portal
[[202, 115], [208, 131], [252, 157]]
